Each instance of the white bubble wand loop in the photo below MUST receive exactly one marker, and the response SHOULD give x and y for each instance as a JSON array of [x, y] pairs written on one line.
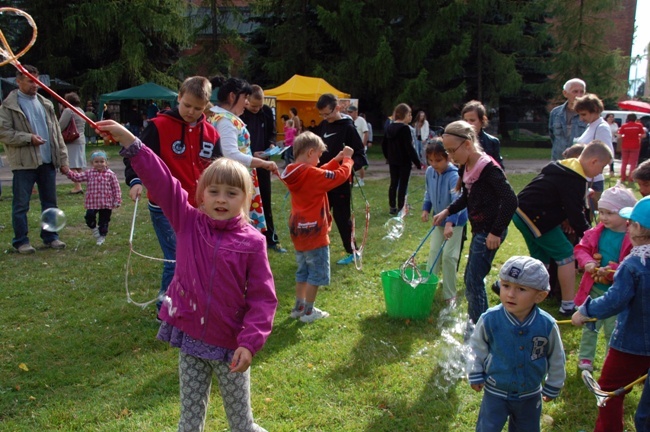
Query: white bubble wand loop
[[415, 278], [603, 396], [132, 251]]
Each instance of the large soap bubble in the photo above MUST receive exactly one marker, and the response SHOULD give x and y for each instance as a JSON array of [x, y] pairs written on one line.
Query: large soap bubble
[[53, 219]]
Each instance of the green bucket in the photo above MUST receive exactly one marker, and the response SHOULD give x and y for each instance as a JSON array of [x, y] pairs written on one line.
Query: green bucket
[[404, 301]]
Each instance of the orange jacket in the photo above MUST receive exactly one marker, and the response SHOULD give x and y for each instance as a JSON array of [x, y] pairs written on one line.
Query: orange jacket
[[310, 220]]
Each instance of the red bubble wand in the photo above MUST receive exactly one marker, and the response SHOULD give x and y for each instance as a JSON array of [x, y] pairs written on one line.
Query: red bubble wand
[[10, 57]]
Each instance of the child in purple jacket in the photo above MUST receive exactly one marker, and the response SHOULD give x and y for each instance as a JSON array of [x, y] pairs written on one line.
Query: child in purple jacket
[[220, 305]]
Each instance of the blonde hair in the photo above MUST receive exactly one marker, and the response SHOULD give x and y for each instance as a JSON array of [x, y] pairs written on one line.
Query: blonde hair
[[289, 123], [258, 93], [228, 172], [401, 111], [597, 149], [197, 86], [462, 129], [307, 141]]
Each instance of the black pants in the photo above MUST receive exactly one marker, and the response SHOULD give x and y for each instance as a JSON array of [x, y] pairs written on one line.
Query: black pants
[[339, 199], [399, 183], [264, 179], [104, 219]]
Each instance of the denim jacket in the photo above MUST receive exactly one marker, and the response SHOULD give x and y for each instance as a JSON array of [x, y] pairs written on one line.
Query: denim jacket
[[561, 138], [629, 298]]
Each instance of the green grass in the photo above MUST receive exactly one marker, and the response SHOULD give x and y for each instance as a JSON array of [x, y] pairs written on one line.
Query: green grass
[[94, 364]]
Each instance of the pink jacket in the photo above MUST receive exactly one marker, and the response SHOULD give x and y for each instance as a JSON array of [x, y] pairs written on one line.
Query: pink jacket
[[223, 291], [584, 253]]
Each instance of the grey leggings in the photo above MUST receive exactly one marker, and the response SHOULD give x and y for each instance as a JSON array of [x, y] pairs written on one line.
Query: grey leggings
[[195, 381]]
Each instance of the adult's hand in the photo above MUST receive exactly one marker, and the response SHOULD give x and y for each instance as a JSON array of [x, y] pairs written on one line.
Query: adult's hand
[[37, 140]]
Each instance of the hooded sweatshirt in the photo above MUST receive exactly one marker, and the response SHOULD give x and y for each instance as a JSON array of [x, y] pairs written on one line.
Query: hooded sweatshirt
[[310, 220], [186, 149], [556, 194], [338, 134]]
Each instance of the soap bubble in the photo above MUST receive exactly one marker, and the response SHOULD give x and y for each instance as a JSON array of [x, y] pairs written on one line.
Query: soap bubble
[[394, 227], [53, 220]]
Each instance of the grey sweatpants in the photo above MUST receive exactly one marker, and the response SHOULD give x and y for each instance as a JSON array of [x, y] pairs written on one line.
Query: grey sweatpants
[[195, 376]]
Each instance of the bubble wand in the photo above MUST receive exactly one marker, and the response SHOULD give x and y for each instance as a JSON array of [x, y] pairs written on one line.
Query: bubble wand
[[10, 57]]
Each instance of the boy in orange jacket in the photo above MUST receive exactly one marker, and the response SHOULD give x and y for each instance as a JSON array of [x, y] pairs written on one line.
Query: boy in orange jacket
[[310, 220]]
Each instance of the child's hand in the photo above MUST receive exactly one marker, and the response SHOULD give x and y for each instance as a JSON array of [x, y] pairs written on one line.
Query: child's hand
[[578, 319], [492, 242], [110, 129], [591, 267], [135, 192], [425, 216], [348, 151], [477, 387], [437, 219], [65, 170], [241, 360]]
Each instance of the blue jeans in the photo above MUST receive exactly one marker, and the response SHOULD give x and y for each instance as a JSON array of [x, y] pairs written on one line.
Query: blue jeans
[[478, 266], [522, 415], [23, 182], [167, 239]]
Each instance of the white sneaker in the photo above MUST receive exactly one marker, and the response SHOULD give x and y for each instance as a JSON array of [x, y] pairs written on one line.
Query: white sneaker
[[297, 313], [314, 315], [96, 233], [100, 240], [360, 182]]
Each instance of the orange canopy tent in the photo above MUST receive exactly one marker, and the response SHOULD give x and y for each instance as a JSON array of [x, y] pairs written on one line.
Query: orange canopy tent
[[302, 93]]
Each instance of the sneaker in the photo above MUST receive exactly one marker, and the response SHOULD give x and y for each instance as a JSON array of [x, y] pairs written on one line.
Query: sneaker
[[566, 312], [315, 314], [393, 211], [96, 233], [100, 240], [585, 364], [55, 244], [347, 260], [277, 248], [297, 313], [26, 249], [360, 182]]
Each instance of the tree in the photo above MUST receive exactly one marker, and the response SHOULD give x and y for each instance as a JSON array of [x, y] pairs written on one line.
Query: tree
[[103, 45], [580, 28]]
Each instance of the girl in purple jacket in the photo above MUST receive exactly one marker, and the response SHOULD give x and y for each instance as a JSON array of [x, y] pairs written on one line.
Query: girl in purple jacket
[[220, 305]]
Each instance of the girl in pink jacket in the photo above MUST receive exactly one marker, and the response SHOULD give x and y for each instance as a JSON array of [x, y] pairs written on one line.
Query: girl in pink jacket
[[599, 253], [220, 305]]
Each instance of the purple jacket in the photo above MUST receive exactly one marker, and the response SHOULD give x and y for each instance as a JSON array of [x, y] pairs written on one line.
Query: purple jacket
[[584, 253], [223, 291]]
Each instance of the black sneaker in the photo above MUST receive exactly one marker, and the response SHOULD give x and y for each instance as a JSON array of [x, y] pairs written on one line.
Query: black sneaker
[[567, 312], [393, 211]]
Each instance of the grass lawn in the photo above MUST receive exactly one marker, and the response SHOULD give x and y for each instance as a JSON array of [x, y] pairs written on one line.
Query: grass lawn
[[75, 356]]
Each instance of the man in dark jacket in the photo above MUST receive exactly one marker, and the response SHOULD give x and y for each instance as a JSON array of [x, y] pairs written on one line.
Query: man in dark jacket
[[338, 132], [261, 127]]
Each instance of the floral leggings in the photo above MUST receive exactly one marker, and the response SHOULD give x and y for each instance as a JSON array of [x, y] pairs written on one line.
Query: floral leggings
[[195, 382]]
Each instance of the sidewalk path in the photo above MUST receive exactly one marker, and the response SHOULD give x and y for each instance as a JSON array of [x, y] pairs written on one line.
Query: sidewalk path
[[377, 169]]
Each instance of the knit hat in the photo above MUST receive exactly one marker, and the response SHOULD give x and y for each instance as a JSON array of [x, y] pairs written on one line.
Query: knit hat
[[639, 213], [616, 198], [525, 271]]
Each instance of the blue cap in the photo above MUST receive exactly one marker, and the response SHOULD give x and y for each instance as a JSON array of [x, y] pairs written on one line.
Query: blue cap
[[639, 213]]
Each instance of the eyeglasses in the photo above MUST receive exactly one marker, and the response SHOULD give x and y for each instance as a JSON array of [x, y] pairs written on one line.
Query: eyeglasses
[[325, 115], [452, 151]]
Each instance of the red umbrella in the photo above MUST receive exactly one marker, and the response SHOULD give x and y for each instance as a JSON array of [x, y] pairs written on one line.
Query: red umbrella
[[634, 105]]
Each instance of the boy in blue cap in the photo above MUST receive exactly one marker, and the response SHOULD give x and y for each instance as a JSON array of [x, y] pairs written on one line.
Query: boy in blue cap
[[516, 347]]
